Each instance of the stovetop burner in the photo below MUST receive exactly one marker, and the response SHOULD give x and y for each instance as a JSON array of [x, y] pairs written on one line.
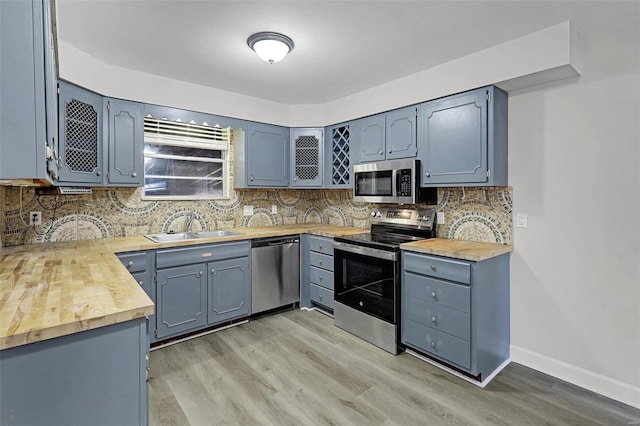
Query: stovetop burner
[[392, 227]]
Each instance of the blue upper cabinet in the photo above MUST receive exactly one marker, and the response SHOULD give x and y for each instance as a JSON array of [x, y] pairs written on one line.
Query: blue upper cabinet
[[126, 142], [28, 121], [267, 155], [80, 146], [339, 155], [307, 148], [388, 136], [463, 139]]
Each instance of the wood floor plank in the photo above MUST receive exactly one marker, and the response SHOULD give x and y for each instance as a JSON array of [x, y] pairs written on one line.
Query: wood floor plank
[[296, 368]]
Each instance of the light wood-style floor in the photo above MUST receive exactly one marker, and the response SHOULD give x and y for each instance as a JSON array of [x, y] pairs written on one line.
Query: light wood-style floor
[[296, 368]]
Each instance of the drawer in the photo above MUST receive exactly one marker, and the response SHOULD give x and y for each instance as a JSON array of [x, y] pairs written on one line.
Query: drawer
[[322, 261], [144, 280], [321, 277], [135, 262], [442, 345], [438, 267], [198, 254], [321, 244], [450, 321], [321, 295], [443, 293]]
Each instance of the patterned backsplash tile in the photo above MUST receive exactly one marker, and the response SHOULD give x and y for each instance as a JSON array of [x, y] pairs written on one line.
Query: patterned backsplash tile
[[477, 214]]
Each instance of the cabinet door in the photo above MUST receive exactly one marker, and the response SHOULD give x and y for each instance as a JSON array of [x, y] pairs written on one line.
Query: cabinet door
[[126, 142], [372, 138], [453, 139], [306, 157], [80, 126], [229, 289], [181, 299], [338, 158], [401, 133], [267, 155]]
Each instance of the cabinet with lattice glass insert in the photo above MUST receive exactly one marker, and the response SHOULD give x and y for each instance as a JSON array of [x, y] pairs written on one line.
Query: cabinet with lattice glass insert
[[338, 156], [307, 147]]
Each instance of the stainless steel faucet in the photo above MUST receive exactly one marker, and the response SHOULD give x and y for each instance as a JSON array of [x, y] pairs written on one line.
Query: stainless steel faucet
[[190, 218]]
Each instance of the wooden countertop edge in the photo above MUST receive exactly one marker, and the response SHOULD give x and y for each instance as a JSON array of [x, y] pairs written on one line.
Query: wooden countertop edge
[[458, 249]]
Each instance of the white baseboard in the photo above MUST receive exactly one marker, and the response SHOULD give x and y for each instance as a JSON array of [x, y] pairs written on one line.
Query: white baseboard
[[594, 382]]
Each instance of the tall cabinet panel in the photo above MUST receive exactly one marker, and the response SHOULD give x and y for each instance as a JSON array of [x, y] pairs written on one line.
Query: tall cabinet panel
[[401, 133], [338, 158], [27, 85], [307, 147], [372, 138], [267, 155], [126, 142], [80, 125]]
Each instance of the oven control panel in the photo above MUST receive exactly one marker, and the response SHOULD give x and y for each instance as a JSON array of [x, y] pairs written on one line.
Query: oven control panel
[[421, 218]]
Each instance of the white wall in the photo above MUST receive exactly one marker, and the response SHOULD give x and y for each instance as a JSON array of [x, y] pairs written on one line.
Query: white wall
[[574, 165]]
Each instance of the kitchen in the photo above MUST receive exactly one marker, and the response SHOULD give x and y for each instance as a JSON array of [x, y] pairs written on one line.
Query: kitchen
[[551, 128]]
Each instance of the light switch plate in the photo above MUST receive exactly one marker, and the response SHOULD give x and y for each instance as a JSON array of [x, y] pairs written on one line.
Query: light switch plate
[[440, 218], [274, 209], [248, 210], [522, 220]]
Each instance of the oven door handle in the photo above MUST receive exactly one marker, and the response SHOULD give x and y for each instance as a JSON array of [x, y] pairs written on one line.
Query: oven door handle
[[366, 251]]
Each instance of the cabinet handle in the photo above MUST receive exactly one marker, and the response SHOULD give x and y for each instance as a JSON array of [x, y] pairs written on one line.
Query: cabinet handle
[[98, 173], [433, 294], [252, 177], [213, 272], [134, 174], [427, 174], [200, 273], [141, 283], [130, 264], [433, 319], [433, 344], [433, 268]]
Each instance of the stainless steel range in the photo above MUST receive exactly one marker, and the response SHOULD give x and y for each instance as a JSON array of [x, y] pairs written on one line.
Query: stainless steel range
[[367, 274]]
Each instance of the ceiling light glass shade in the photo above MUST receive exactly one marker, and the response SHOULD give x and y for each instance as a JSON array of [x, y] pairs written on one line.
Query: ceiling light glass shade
[[270, 47]]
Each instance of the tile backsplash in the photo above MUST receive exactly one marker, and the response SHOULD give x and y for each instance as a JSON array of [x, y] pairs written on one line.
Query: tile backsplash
[[477, 214]]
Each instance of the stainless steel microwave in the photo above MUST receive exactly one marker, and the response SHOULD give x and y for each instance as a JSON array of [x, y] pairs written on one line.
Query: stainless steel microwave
[[392, 181]]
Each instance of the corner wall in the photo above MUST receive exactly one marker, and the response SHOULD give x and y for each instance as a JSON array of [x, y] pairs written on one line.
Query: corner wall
[[574, 164]]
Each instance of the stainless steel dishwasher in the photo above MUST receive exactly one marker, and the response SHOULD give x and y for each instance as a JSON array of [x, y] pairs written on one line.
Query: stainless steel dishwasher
[[275, 272]]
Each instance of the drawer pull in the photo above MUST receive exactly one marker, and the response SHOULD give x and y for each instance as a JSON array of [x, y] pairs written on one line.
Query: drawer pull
[[320, 296], [433, 319], [433, 268], [130, 264], [433, 344], [320, 277], [141, 283], [320, 247], [320, 262], [433, 294]]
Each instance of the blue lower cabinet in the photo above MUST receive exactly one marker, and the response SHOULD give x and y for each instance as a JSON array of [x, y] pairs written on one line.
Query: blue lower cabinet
[[316, 272], [181, 300], [94, 377], [229, 290]]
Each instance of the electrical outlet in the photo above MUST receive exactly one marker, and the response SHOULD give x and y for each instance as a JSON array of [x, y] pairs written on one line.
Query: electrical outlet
[[274, 209], [440, 218], [35, 218], [522, 220], [248, 210]]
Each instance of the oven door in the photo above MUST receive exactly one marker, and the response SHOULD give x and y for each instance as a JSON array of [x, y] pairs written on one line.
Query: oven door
[[366, 279]]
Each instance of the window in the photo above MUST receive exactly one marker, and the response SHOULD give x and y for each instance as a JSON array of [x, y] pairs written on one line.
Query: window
[[185, 161]]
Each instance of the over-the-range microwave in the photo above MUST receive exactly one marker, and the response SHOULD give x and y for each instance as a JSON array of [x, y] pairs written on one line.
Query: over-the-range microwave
[[391, 182]]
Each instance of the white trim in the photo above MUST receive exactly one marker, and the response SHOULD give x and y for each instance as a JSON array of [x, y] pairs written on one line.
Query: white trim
[[204, 333], [322, 311], [481, 384], [611, 388]]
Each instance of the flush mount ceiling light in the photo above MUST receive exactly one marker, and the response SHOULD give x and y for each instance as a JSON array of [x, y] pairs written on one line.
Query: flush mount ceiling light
[[269, 46]]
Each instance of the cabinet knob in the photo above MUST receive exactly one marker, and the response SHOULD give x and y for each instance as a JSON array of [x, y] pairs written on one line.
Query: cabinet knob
[[130, 264], [320, 247], [200, 273], [134, 174], [320, 277], [433, 294], [98, 173], [427, 174], [295, 179], [433, 268], [252, 177], [141, 283], [320, 296], [213, 272], [390, 151], [433, 344], [433, 319], [379, 152], [320, 262]]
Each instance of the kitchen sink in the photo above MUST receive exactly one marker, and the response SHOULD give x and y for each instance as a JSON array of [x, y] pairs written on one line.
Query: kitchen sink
[[182, 236]]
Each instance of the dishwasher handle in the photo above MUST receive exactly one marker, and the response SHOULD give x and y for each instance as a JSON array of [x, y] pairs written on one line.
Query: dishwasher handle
[[275, 241]]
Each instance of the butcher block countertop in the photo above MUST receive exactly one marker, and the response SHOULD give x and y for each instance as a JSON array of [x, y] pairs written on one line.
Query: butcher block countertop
[[459, 249], [56, 289]]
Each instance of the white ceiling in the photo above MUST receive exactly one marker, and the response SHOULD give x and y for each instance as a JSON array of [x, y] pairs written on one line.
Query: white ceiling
[[341, 47]]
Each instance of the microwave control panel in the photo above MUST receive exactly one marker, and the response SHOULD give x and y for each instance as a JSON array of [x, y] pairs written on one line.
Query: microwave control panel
[[405, 183]]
